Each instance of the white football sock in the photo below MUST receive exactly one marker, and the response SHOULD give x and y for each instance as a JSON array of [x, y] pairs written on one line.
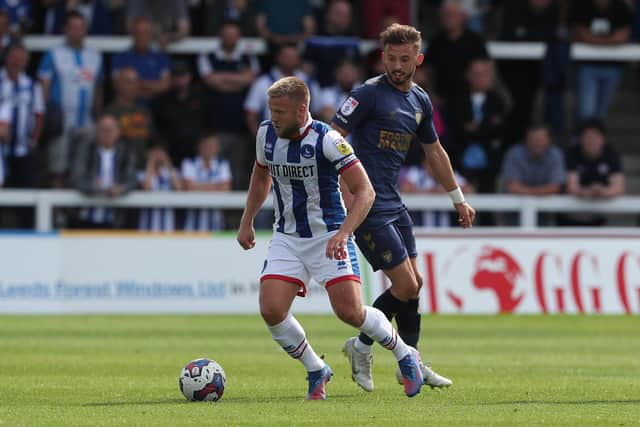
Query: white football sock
[[377, 326], [290, 335]]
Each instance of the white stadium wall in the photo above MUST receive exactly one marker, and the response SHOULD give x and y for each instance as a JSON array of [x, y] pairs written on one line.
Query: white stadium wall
[[472, 273]]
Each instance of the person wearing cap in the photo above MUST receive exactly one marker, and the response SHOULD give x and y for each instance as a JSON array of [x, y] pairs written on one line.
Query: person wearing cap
[[179, 114]]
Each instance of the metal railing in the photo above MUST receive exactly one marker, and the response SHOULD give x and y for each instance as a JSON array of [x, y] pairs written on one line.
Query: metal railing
[[498, 50], [44, 201]]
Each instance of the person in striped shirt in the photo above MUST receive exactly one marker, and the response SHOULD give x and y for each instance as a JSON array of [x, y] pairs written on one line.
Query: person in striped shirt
[[71, 75], [312, 237], [159, 175], [24, 97], [206, 172]]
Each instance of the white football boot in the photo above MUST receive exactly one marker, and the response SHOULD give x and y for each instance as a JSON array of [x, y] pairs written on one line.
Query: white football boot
[[361, 364], [431, 377]]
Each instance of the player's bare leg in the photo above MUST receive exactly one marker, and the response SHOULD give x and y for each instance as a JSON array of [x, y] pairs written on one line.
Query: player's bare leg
[[276, 297], [346, 300]]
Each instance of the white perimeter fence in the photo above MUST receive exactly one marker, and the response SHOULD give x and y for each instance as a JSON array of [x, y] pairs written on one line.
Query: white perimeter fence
[[44, 201]]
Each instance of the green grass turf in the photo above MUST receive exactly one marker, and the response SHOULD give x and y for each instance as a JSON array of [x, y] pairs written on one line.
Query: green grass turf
[[115, 370]]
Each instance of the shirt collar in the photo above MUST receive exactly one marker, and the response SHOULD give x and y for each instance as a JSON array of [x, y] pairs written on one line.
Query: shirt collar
[[106, 151], [306, 124], [304, 130]]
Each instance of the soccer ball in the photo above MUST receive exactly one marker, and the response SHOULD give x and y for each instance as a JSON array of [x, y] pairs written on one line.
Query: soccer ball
[[202, 379]]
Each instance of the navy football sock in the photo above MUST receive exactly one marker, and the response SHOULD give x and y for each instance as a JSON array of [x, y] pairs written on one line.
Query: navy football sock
[[408, 320], [389, 305]]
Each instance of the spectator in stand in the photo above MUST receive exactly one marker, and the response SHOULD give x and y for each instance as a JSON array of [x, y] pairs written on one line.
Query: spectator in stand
[[241, 11], [103, 168], [451, 50], [159, 175], [206, 172], [535, 168], [229, 73], [525, 21], [335, 43], [348, 77], [287, 64], [135, 122], [6, 38], [5, 123], [71, 76], [379, 14], [601, 23], [636, 20], [594, 171], [375, 66], [169, 18], [152, 66], [421, 78], [420, 180], [282, 22], [179, 114], [19, 12], [26, 105], [476, 11], [477, 124], [49, 16], [1, 172]]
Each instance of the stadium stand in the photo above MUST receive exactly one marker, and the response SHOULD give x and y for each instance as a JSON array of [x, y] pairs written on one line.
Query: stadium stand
[[504, 44]]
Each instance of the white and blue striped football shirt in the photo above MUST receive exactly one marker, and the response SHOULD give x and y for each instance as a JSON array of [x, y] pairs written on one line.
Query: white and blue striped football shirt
[[25, 101], [216, 171], [158, 219], [305, 172], [73, 74]]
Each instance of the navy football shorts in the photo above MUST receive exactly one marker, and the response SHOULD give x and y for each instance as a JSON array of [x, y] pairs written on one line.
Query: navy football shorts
[[387, 246]]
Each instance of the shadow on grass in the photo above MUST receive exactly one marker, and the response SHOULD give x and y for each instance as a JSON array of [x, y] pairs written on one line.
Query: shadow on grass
[[283, 398], [230, 399], [131, 403], [567, 402]]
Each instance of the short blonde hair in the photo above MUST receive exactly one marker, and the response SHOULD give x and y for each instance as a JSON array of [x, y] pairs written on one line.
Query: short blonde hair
[[291, 87]]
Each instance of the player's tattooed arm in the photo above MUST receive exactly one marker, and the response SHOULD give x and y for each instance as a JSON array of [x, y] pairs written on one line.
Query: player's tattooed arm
[[259, 188]]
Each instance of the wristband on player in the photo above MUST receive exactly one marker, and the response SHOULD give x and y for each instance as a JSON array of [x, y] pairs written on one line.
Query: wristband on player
[[456, 196]]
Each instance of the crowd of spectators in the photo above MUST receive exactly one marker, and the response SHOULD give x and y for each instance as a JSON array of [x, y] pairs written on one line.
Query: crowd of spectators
[[105, 124]]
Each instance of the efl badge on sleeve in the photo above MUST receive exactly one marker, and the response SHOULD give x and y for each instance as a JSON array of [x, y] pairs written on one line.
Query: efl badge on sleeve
[[349, 106], [344, 147]]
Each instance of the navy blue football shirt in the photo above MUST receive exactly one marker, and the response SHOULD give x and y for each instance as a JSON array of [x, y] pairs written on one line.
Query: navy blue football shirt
[[383, 121]]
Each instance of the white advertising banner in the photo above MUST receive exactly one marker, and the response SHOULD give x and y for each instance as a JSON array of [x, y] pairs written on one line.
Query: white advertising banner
[[135, 274], [463, 272], [541, 272]]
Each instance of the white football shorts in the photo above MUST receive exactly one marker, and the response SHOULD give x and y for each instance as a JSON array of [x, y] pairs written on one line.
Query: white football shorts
[[297, 259]]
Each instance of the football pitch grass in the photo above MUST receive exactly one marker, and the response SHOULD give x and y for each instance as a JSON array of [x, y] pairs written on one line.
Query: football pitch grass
[[507, 370]]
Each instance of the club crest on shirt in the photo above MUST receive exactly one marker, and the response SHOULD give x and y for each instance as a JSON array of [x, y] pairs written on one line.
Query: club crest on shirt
[[349, 106], [344, 147], [418, 117], [307, 151]]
